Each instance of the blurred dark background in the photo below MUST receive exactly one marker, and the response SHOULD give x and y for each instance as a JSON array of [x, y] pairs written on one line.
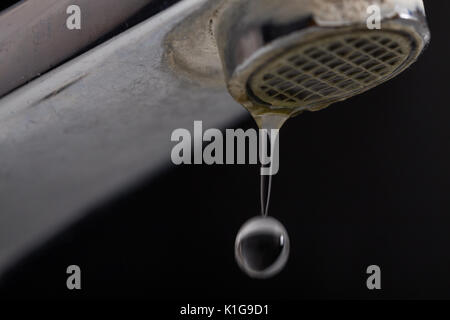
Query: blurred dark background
[[366, 181], [8, 3]]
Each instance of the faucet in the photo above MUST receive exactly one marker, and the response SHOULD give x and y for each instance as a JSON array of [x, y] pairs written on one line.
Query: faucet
[[295, 55]]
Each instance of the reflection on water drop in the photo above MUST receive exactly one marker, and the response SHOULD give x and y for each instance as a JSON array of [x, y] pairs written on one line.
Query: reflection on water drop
[[262, 247]]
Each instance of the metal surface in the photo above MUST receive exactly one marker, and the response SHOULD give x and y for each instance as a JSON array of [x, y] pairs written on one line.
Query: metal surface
[[253, 36], [331, 68], [94, 127], [34, 37]]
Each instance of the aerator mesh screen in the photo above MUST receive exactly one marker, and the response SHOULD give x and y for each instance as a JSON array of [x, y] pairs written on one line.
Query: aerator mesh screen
[[330, 68]]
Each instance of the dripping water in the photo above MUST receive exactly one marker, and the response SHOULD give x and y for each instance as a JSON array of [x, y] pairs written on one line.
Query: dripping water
[[262, 243], [266, 123]]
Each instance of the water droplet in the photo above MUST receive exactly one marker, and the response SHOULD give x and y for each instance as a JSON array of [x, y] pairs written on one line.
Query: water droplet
[[262, 247]]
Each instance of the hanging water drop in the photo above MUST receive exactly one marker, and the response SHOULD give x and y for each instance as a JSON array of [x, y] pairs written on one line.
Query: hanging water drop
[[262, 247]]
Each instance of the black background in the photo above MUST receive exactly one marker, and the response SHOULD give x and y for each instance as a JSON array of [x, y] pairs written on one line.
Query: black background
[[366, 181]]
